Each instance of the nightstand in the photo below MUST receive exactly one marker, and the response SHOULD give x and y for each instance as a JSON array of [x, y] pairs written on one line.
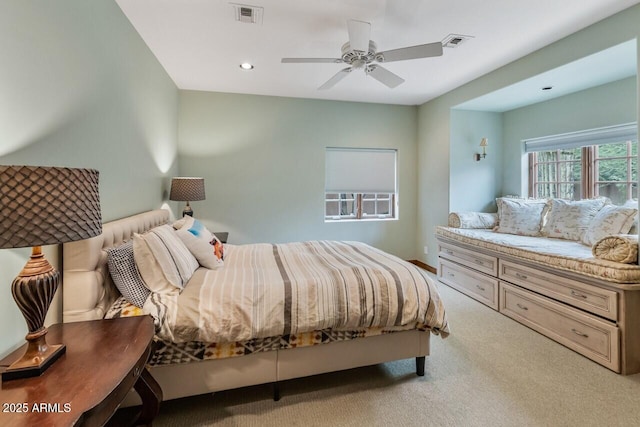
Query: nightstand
[[222, 235], [104, 360]]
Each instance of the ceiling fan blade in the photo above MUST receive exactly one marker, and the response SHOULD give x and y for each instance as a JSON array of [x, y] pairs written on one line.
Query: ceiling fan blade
[[335, 79], [311, 60], [414, 52], [384, 76], [359, 35]]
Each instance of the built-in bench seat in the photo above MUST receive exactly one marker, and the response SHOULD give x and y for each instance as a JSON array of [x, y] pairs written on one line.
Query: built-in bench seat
[[554, 286]]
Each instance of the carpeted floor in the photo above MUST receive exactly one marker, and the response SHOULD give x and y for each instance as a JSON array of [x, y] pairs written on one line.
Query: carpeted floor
[[491, 371]]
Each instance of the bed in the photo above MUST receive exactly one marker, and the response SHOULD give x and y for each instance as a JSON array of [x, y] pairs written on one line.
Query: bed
[[189, 361]]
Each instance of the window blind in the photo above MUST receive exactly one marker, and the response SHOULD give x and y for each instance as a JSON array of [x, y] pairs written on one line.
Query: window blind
[[598, 136], [360, 170]]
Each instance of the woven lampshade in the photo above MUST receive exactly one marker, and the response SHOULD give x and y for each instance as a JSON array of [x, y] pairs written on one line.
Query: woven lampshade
[[187, 189], [48, 205], [43, 206]]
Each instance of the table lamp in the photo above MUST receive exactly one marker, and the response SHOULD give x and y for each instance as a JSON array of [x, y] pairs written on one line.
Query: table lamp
[[43, 206], [187, 189]]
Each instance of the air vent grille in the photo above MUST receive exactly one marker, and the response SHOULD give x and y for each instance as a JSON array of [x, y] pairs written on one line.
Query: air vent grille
[[455, 40], [247, 14]]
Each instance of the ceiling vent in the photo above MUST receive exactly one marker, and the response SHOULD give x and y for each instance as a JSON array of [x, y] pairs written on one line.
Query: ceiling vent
[[247, 14], [455, 40]]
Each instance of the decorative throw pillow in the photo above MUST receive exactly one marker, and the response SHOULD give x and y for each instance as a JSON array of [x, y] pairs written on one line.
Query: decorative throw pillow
[[125, 274], [163, 260], [570, 219], [520, 216], [609, 220], [620, 248], [632, 203], [473, 220], [202, 243]]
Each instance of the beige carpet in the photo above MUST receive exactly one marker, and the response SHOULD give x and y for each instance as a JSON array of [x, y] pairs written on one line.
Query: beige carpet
[[491, 371]]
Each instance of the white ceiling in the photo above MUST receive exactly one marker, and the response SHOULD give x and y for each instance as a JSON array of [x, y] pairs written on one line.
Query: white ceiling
[[587, 72], [200, 44]]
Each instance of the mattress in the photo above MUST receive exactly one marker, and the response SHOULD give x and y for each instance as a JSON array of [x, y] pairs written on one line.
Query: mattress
[[556, 253]]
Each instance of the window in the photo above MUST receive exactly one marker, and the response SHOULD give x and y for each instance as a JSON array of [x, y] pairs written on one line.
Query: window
[[580, 165], [360, 184]]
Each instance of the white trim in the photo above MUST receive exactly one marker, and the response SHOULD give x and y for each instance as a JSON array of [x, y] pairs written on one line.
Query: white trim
[[597, 136]]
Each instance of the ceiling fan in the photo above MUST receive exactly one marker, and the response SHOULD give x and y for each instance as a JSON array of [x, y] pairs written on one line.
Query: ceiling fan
[[360, 53]]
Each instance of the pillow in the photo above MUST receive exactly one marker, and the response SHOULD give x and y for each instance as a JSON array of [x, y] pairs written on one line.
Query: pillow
[[125, 274], [570, 219], [621, 248], [632, 203], [163, 260], [611, 219], [203, 244], [204, 252], [472, 220], [520, 216]]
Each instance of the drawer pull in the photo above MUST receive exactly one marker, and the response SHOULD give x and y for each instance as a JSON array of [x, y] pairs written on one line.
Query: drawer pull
[[523, 307], [521, 276], [480, 287], [451, 275], [479, 261], [136, 371], [578, 294], [575, 331], [450, 252]]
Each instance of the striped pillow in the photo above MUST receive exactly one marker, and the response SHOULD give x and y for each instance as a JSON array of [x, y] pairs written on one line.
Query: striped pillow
[[163, 260]]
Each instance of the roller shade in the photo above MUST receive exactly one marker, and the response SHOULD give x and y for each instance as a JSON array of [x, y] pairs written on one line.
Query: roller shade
[[360, 170], [599, 136]]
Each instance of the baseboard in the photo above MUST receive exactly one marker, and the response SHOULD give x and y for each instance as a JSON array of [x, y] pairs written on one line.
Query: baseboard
[[423, 266]]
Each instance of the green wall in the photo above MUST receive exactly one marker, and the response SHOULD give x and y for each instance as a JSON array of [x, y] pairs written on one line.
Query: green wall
[[474, 184], [435, 118], [81, 89], [263, 162], [606, 105]]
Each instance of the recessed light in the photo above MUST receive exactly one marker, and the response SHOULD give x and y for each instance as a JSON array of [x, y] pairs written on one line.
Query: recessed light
[[246, 66], [547, 88]]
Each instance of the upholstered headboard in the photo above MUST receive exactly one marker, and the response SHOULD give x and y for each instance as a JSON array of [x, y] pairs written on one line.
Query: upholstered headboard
[[87, 289]]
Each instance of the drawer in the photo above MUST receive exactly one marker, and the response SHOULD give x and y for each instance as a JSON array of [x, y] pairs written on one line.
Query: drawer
[[478, 261], [594, 338], [602, 302], [469, 282]]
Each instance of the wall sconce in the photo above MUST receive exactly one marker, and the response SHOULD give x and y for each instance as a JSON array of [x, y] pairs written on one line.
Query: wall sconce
[[483, 143]]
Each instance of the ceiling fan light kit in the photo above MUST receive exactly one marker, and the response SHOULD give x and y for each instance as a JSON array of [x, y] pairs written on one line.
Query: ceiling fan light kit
[[361, 53]]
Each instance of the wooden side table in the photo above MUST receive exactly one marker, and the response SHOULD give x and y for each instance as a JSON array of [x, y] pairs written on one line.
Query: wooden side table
[[104, 360]]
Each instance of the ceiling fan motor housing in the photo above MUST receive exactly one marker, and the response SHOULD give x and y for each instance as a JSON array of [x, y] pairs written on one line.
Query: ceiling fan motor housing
[[350, 56]]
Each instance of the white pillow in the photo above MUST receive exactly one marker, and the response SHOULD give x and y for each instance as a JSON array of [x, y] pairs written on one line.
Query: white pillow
[[203, 244], [609, 220], [633, 203], [164, 262], [521, 216], [569, 219], [201, 248]]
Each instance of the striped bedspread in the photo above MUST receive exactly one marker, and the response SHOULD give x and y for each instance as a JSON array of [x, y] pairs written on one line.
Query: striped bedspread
[[268, 290]]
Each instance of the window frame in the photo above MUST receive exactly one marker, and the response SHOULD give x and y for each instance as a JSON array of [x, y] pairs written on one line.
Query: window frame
[[359, 214], [361, 176], [589, 167]]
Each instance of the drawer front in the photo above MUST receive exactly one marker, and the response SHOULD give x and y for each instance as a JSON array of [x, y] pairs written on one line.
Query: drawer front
[[594, 338], [469, 282], [478, 261], [602, 302]]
